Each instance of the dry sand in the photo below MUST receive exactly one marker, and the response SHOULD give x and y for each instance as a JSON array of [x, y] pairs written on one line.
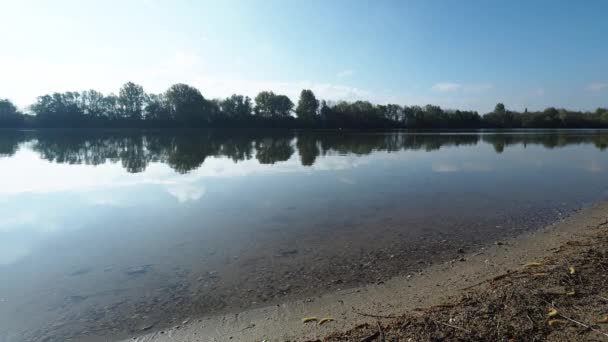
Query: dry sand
[[351, 308]]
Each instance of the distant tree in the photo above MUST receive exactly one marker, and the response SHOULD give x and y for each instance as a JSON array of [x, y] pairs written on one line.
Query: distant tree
[[187, 104], [500, 109], [392, 112], [9, 115], [236, 106], [270, 105], [59, 109], [325, 111], [157, 107], [308, 105], [7, 109], [110, 106], [92, 103], [131, 99], [283, 105]]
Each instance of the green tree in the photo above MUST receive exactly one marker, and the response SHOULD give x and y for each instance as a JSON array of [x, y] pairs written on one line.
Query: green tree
[[131, 98], [500, 109], [187, 104], [92, 103], [9, 115], [308, 105], [157, 107], [270, 105], [110, 107], [236, 106]]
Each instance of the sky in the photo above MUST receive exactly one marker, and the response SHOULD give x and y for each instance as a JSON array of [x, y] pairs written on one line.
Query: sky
[[456, 54]]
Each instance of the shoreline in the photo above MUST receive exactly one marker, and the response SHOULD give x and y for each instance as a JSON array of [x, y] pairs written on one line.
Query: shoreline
[[397, 296]]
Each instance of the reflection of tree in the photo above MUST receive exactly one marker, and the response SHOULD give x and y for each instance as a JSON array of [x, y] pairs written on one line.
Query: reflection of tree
[[272, 150], [9, 142], [548, 139], [188, 150], [308, 148], [365, 143], [133, 155]]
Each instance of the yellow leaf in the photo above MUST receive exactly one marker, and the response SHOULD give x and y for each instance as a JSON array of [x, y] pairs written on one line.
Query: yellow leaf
[[309, 319], [325, 320], [552, 313], [556, 322]]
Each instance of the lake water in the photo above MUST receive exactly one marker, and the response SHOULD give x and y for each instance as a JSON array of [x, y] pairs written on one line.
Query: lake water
[[111, 233]]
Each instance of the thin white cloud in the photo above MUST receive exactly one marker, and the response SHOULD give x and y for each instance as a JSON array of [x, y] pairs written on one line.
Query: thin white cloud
[[597, 87], [445, 87], [345, 73], [448, 87]]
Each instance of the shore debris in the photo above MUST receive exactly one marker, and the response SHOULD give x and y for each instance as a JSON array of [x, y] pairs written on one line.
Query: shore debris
[[309, 319], [371, 337], [552, 313], [535, 302], [326, 320], [533, 264], [603, 320], [554, 322]]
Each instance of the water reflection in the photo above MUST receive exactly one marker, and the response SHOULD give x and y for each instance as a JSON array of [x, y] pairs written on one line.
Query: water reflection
[[187, 151], [161, 225]]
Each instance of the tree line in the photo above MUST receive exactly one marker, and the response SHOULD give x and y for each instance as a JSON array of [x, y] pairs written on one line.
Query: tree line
[[183, 106]]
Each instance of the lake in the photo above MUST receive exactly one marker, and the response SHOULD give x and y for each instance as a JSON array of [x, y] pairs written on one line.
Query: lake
[[111, 233]]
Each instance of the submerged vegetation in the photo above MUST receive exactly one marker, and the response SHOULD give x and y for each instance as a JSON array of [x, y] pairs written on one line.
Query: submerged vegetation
[[183, 106]]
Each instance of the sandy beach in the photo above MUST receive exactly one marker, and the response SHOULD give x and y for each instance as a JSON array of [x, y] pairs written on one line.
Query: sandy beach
[[353, 309]]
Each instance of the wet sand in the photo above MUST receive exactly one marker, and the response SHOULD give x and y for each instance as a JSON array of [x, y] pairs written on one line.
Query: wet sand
[[430, 286]]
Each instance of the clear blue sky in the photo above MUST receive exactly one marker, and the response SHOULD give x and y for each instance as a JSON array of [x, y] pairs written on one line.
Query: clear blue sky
[[458, 54]]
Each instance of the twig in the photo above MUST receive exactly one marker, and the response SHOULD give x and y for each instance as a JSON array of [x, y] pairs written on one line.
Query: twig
[[451, 326], [530, 319], [575, 321], [498, 277], [380, 331], [374, 316], [370, 337]]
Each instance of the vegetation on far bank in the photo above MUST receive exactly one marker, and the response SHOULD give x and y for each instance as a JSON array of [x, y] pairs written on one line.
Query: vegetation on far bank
[[184, 106]]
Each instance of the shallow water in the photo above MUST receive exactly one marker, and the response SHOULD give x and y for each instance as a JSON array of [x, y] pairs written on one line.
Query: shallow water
[[111, 233]]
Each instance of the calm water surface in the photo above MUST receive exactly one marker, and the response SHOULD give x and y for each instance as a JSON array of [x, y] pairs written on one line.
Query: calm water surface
[[109, 233]]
